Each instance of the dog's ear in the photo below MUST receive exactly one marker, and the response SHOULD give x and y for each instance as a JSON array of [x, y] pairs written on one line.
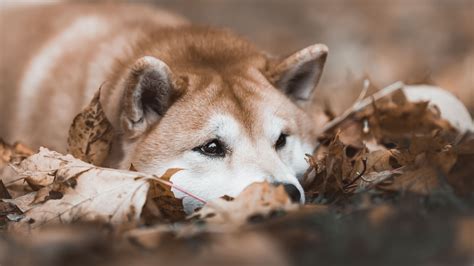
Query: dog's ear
[[298, 74], [148, 93]]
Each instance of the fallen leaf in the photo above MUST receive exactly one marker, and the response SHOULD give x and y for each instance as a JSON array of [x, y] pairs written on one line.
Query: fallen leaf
[[4, 194], [373, 179], [80, 192], [460, 175], [161, 204], [258, 199], [90, 134], [422, 181], [12, 154]]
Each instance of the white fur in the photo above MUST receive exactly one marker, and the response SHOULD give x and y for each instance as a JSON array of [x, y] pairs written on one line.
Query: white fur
[[293, 154], [248, 161], [272, 125], [450, 107]]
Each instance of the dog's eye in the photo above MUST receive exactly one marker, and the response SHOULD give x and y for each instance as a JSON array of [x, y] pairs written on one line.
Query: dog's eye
[[280, 143], [213, 148]]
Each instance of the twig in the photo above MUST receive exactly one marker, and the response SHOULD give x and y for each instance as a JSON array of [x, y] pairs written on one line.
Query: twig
[[385, 175], [361, 104], [365, 88], [179, 189], [361, 174]]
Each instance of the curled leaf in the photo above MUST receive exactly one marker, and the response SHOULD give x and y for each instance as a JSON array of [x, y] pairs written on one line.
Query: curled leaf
[[91, 133]]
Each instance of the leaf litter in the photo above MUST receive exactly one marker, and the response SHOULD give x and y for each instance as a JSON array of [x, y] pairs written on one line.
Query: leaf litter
[[382, 164]]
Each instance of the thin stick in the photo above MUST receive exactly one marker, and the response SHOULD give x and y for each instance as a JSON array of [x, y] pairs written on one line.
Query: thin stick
[[359, 105], [179, 189], [365, 88], [359, 175]]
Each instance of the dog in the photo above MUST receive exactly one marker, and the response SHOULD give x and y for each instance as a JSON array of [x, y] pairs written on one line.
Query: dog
[[198, 98], [179, 96]]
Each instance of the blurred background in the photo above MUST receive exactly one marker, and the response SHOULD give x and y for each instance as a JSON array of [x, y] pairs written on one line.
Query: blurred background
[[415, 41], [422, 41]]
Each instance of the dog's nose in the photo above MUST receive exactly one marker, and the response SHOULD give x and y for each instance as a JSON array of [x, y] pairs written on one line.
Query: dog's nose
[[291, 190]]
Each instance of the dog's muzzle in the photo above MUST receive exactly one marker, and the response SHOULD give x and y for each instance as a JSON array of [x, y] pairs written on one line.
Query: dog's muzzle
[[292, 191]]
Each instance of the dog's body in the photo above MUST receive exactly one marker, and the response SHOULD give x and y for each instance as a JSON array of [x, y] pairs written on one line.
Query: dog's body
[[196, 98], [53, 58]]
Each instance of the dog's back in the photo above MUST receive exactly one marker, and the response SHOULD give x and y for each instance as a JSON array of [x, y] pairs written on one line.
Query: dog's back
[[53, 58]]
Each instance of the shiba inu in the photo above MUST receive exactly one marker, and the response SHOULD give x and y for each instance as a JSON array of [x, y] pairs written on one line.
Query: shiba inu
[[179, 96], [197, 98]]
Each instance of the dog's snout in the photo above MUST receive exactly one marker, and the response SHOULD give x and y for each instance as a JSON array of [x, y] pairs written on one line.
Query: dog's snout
[[292, 191]]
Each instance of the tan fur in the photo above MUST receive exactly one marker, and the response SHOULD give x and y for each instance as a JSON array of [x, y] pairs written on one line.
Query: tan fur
[[25, 31], [168, 88], [201, 56]]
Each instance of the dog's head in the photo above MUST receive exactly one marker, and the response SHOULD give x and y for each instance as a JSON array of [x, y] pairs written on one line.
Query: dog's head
[[223, 112]]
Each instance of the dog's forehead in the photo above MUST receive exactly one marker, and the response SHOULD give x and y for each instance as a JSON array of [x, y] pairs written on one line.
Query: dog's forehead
[[254, 104], [224, 126], [230, 105]]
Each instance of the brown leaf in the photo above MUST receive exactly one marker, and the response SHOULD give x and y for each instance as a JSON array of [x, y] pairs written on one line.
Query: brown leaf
[[5, 153], [6, 209], [257, 199], [161, 204], [90, 134], [4, 194], [50, 192], [422, 181], [373, 179], [380, 160], [22, 150], [460, 176], [13, 153], [394, 119], [351, 133], [79, 192], [37, 183], [333, 169], [169, 173], [171, 208], [132, 168], [158, 188]]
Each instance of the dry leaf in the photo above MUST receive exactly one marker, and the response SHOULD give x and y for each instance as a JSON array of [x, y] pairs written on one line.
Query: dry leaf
[[66, 189], [12, 154], [381, 160], [90, 134], [422, 181], [8, 211], [460, 176], [4, 194], [161, 204], [336, 167], [258, 199], [373, 179], [80, 192]]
